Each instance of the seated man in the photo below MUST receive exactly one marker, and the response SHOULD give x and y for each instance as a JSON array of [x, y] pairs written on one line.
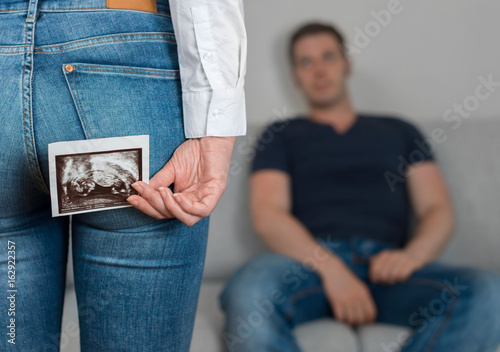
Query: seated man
[[331, 196]]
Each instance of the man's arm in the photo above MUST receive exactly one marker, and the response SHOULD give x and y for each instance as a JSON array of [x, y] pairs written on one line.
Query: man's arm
[[283, 233], [433, 208], [278, 228], [434, 211]]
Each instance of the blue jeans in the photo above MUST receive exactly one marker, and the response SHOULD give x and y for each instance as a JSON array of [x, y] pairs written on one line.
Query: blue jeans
[[137, 278], [449, 308]]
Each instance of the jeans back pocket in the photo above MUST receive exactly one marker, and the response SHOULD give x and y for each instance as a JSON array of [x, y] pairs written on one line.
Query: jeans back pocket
[[119, 100]]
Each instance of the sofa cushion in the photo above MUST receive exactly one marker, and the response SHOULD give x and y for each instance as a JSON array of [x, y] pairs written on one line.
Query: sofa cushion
[[380, 337], [326, 335], [317, 336]]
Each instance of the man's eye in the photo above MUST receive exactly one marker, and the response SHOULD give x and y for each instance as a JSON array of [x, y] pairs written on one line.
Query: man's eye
[[305, 62], [329, 56]]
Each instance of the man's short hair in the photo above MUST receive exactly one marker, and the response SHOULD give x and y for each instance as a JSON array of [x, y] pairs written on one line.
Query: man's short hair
[[316, 28]]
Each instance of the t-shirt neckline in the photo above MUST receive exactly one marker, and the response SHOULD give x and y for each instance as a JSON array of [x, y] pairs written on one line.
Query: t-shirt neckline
[[330, 127]]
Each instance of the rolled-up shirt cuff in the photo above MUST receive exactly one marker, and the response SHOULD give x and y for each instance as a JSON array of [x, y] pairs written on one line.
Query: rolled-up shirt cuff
[[217, 113]]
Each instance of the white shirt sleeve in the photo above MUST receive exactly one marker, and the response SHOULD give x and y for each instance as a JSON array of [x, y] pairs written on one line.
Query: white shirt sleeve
[[212, 49]]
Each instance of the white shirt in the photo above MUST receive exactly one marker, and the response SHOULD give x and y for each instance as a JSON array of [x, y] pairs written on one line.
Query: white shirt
[[212, 49]]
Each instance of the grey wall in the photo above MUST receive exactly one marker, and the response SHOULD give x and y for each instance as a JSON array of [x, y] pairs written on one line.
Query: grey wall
[[426, 58]]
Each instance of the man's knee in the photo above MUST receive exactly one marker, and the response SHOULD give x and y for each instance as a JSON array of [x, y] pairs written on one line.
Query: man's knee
[[479, 299], [259, 284]]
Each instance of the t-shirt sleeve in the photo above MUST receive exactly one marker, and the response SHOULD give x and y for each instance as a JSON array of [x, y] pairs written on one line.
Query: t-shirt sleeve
[[418, 149], [271, 150]]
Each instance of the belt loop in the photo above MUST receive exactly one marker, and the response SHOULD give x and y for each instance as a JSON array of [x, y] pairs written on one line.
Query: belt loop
[[32, 11]]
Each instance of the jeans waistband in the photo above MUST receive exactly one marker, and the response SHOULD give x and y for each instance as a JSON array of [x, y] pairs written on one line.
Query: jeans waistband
[[67, 5]]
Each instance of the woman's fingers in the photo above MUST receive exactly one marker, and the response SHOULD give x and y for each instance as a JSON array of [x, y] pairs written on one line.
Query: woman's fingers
[[164, 177], [150, 201], [190, 203], [142, 204], [162, 204], [174, 208], [150, 194]]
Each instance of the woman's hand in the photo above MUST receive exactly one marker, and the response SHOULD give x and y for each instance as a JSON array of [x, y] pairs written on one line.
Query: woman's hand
[[199, 169]]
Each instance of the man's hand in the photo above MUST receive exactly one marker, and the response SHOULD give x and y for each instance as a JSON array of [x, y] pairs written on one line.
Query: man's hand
[[392, 265], [349, 297], [199, 170]]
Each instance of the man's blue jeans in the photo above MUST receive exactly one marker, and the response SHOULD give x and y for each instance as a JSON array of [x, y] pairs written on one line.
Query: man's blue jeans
[[137, 279], [450, 308]]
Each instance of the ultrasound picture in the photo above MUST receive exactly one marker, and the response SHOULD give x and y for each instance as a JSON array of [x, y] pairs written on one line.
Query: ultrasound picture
[[97, 180]]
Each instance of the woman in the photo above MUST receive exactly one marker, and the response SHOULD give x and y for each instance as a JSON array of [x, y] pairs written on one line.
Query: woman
[[73, 70]]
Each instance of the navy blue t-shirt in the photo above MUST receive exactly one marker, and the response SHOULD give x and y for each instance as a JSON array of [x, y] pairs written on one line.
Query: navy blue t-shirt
[[346, 184]]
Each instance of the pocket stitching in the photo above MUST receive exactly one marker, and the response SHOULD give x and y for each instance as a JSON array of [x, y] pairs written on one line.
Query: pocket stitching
[[170, 74], [81, 106], [134, 70], [168, 36], [105, 39]]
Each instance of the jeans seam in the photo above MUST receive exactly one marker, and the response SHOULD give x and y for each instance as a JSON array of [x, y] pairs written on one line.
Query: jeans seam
[[106, 42], [40, 49], [305, 293], [84, 8], [172, 75], [86, 124], [449, 310], [105, 9], [12, 10], [167, 34], [32, 166], [26, 9], [14, 53], [295, 297]]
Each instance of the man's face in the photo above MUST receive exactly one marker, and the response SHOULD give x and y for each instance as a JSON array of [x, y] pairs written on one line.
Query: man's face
[[320, 69]]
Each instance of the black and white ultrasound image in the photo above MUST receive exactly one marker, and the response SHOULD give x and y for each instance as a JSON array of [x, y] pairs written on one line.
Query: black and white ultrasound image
[[97, 180]]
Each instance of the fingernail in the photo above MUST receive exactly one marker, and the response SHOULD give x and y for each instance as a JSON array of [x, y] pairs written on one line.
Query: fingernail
[[131, 201], [163, 193], [177, 197], [137, 187]]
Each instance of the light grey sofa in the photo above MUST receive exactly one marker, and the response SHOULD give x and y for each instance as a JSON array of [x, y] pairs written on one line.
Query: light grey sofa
[[471, 165]]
